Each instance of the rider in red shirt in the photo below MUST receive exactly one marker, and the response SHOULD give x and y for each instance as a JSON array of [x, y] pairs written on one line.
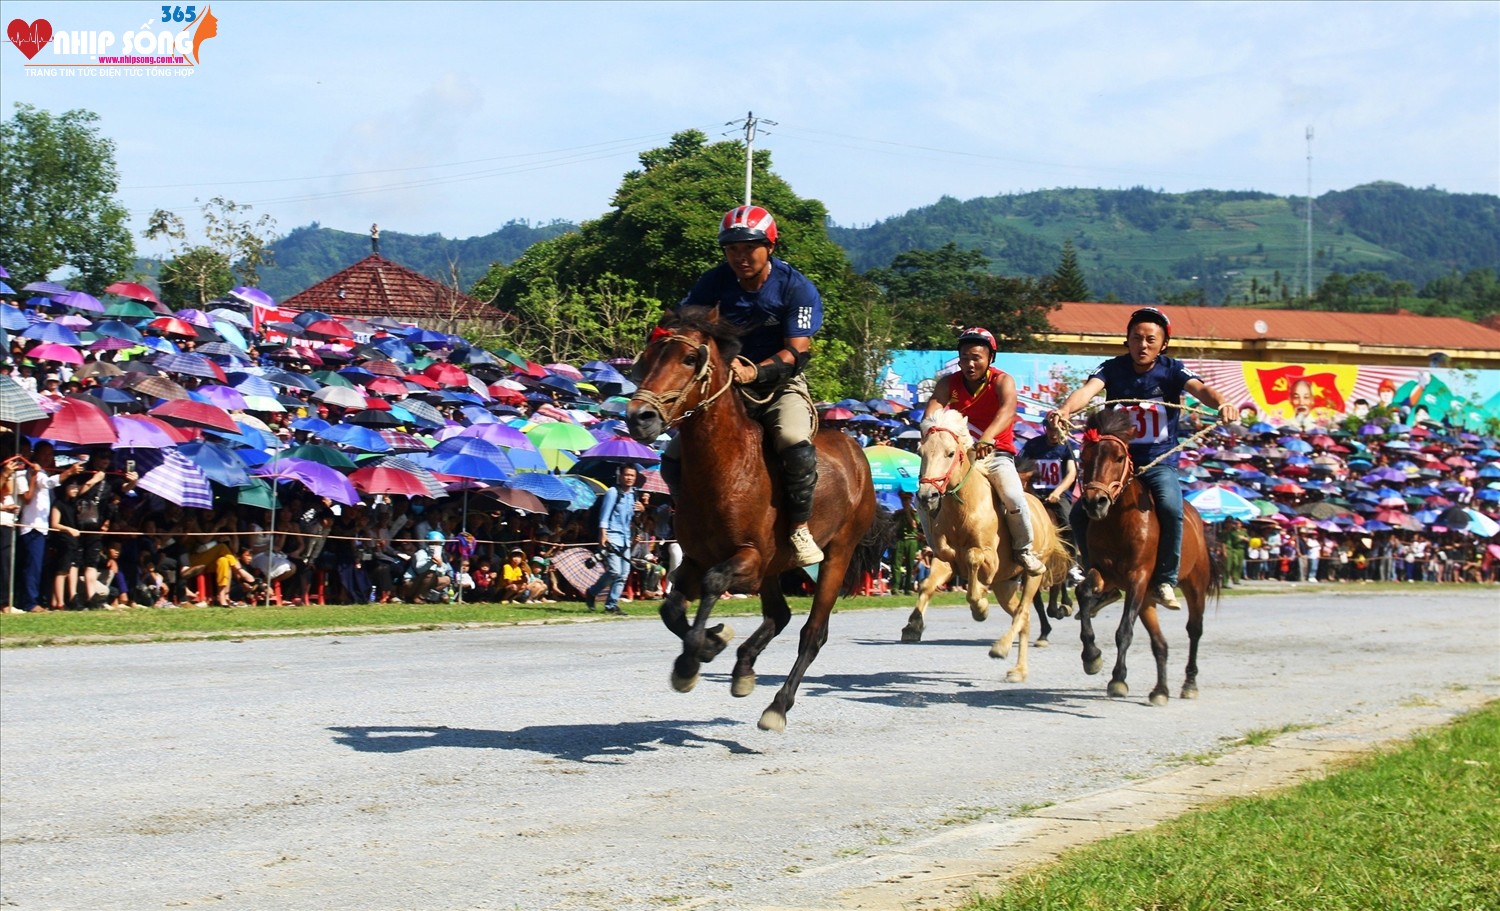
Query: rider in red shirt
[[986, 396]]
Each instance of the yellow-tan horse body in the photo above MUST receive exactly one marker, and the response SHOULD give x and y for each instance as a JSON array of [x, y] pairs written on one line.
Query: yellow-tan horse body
[[962, 518]]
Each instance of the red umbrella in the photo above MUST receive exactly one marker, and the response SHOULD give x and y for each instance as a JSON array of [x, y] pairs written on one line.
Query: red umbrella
[[426, 382], [329, 328], [533, 370], [384, 385], [384, 368], [837, 414], [506, 394], [201, 414], [48, 351], [133, 291], [1286, 487], [171, 325], [379, 479], [375, 404], [447, 374], [77, 422]]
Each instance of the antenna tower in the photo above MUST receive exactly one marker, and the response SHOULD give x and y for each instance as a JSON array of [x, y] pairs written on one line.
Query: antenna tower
[[750, 124]]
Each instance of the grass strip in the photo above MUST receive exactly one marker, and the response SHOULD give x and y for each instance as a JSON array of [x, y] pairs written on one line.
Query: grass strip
[[1416, 828]]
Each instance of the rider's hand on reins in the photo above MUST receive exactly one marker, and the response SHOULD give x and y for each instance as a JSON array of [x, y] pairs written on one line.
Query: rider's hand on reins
[[983, 448], [744, 370], [1228, 413]]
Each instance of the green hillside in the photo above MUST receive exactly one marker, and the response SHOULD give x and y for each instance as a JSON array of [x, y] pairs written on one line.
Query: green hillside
[[311, 253], [1141, 244]]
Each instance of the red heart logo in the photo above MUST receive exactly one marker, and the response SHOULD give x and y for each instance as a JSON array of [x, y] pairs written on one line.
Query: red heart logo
[[30, 39]]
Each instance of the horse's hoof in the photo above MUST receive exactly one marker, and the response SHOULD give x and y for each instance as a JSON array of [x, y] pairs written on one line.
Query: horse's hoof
[[772, 719], [1015, 676], [724, 633], [980, 612], [1117, 688], [1190, 691], [742, 686], [998, 653], [1092, 666], [684, 684], [1158, 699], [911, 635], [1040, 643]]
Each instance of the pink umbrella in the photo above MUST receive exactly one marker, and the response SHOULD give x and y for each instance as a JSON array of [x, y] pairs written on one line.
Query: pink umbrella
[[49, 351], [75, 421]]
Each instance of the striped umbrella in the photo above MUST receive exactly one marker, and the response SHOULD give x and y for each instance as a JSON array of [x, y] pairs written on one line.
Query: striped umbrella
[[543, 484], [580, 566], [16, 404], [172, 476]]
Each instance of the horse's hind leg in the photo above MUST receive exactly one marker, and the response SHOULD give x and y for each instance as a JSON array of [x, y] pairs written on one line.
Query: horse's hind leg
[[1017, 602], [940, 573], [1195, 632], [775, 614], [1041, 615]]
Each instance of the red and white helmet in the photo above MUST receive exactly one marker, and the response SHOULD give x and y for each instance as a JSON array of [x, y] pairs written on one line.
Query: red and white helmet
[[977, 335], [747, 224]]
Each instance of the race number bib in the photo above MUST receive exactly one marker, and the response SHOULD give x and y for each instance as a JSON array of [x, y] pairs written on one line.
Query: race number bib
[[1048, 473], [1150, 422]]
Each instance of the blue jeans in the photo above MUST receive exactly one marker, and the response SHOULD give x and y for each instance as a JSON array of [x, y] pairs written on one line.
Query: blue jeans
[[1166, 494], [31, 551], [616, 571]]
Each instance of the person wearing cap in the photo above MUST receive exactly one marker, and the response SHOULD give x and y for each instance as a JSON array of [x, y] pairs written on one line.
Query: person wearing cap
[[780, 310], [513, 585], [1148, 381], [986, 396]]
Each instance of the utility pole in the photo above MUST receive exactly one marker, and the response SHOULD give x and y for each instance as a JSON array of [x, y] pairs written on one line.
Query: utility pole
[[1309, 214], [749, 125]]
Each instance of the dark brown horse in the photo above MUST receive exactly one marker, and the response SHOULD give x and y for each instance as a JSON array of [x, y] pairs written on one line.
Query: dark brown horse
[[729, 516], [1122, 537]]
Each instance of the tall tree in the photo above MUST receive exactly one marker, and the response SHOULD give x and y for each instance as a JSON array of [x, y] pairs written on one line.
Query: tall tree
[[1015, 309], [235, 248], [57, 199], [917, 284], [1067, 280]]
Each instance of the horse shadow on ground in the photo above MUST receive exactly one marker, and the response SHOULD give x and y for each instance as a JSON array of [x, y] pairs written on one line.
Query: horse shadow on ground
[[604, 744], [901, 689]]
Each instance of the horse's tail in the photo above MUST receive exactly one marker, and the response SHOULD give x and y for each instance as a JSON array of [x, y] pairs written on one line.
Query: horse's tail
[[1218, 560], [866, 560]]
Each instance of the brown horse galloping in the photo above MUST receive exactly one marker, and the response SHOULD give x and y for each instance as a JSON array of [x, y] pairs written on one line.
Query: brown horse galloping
[[729, 517], [1122, 538]]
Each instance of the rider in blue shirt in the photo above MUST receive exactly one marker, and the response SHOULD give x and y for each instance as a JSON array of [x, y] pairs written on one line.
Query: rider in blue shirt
[[780, 310], [1145, 377]]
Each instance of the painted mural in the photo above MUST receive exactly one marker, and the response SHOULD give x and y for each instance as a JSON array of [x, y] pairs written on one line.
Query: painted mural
[[1276, 392]]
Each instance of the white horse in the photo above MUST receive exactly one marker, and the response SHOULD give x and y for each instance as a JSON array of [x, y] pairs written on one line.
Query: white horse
[[962, 517]]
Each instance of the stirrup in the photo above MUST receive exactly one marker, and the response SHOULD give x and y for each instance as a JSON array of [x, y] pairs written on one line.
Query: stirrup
[[805, 550]]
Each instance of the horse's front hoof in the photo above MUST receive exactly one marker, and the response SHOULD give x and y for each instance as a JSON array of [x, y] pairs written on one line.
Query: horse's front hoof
[[1159, 699], [1094, 665], [772, 719], [999, 653], [741, 687], [980, 612], [1040, 643], [1118, 689], [1190, 691], [1015, 676], [1060, 613], [684, 684], [911, 633]]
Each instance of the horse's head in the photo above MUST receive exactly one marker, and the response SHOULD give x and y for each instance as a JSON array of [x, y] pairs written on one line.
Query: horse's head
[[675, 372], [1104, 466], [945, 447]]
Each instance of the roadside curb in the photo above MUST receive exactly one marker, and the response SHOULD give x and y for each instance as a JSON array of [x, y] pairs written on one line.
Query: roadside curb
[[944, 871]]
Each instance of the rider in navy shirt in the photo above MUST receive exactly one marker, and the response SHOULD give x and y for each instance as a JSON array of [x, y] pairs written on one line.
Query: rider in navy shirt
[[780, 309], [1143, 378]]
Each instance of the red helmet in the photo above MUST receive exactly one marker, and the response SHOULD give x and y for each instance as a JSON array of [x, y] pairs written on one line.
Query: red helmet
[[747, 224], [977, 335]]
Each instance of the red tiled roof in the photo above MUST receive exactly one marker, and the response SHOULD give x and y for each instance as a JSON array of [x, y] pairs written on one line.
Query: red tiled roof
[[1398, 330], [375, 286]]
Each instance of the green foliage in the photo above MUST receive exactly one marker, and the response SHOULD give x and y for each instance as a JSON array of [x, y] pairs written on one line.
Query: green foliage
[[236, 247], [1014, 309], [660, 235], [1067, 279], [1141, 244], [57, 199]]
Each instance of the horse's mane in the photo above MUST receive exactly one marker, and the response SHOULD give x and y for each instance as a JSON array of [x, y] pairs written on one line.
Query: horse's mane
[[706, 320], [951, 419], [1113, 422]]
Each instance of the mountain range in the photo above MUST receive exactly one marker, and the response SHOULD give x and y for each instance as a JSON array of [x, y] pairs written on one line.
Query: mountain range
[[1135, 244]]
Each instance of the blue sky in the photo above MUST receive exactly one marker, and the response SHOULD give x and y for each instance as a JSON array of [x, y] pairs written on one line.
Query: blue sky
[[454, 118]]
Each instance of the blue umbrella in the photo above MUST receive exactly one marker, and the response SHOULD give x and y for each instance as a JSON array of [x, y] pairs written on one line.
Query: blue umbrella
[[117, 329], [467, 457], [544, 484], [310, 424], [13, 318], [219, 463], [427, 338], [355, 436], [53, 332]]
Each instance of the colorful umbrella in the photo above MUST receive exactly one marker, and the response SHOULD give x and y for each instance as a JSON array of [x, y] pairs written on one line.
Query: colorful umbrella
[[560, 435], [894, 469], [50, 351], [17, 406], [133, 291], [218, 462], [1217, 503], [197, 414], [320, 479], [172, 476], [140, 431], [78, 421], [621, 449]]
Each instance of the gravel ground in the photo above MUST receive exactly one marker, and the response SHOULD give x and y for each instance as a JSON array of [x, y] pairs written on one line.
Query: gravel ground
[[552, 767]]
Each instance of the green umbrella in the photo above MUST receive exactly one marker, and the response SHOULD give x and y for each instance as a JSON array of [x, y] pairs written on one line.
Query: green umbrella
[[509, 357], [893, 469], [560, 435], [323, 455], [129, 310], [329, 378], [258, 494]]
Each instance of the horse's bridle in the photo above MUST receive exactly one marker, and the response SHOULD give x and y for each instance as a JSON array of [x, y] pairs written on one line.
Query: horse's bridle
[[1110, 489], [702, 377], [942, 483]]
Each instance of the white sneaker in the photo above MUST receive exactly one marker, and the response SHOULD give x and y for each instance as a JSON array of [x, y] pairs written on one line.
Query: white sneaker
[[1029, 562], [1165, 596], [805, 550]]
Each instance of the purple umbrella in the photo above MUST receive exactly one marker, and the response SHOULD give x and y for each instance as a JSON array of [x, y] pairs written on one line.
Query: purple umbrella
[[80, 301], [142, 433], [252, 296], [502, 435], [45, 288], [222, 396], [195, 317], [320, 479], [621, 449]]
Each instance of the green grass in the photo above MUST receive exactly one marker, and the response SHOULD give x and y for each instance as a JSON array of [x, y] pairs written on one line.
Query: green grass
[[57, 627], [1416, 829]]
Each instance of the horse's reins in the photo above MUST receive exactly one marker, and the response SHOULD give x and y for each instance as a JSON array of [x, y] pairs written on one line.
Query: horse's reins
[[702, 377], [1111, 489], [942, 483]]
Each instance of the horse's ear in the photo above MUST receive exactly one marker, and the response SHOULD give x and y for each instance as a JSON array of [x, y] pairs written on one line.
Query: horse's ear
[[713, 314]]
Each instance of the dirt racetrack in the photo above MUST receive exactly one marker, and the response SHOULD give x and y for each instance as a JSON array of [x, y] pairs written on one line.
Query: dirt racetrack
[[552, 767]]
